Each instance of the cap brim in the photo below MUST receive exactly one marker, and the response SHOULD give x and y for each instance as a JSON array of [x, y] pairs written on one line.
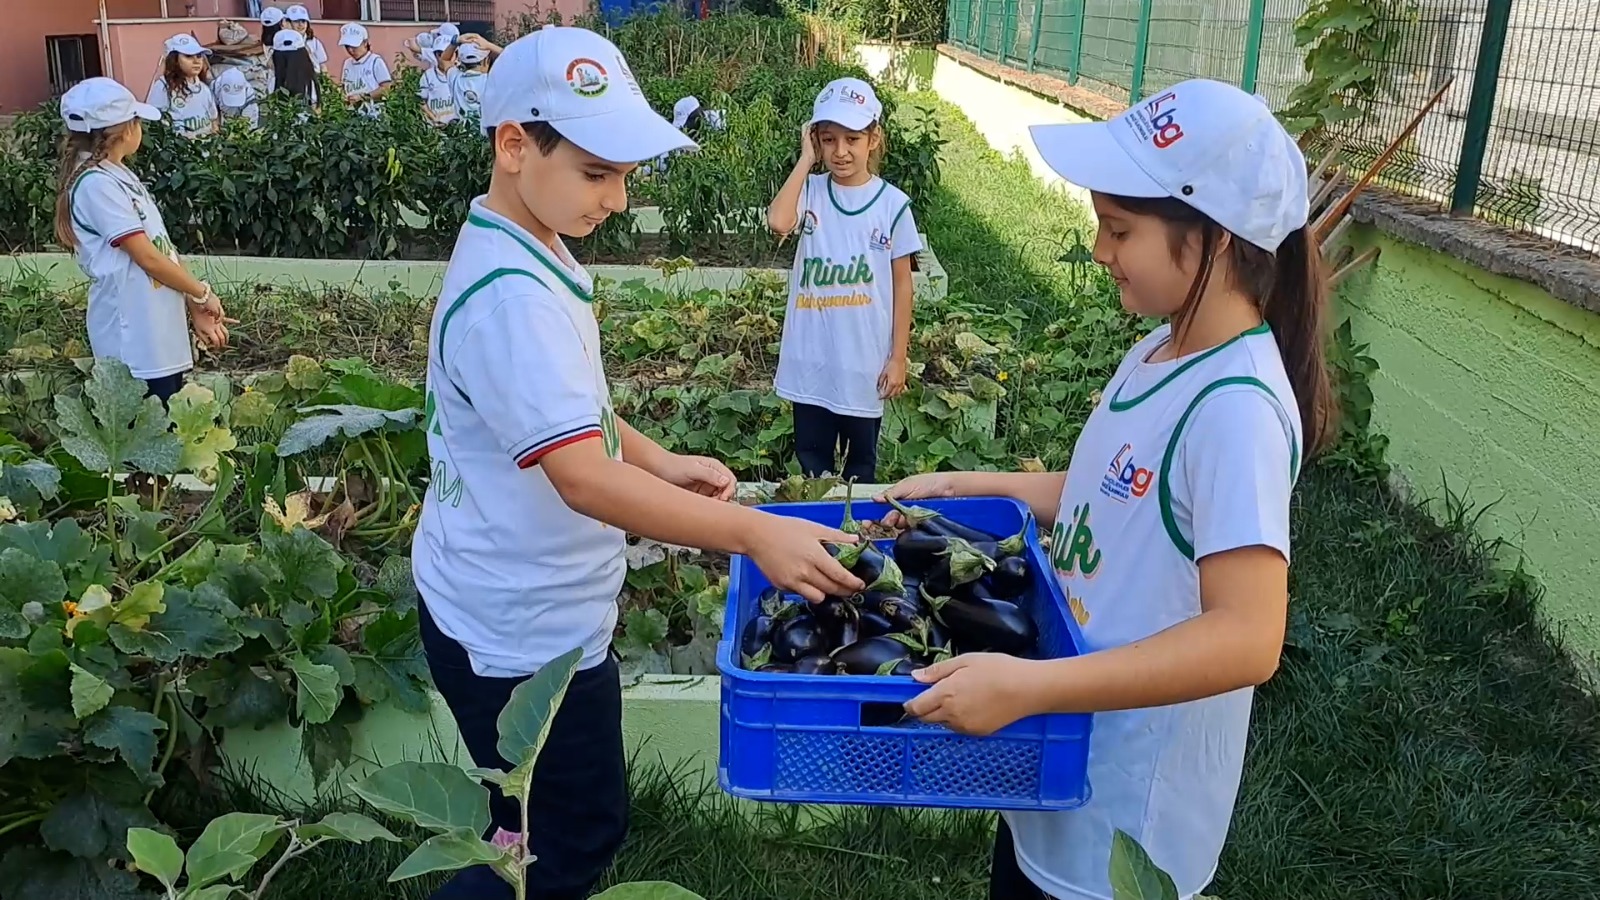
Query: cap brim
[[147, 112], [351, 42], [1090, 157], [624, 136], [853, 119]]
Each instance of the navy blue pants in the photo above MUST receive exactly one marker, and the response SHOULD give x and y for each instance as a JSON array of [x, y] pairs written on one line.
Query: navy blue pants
[[821, 434], [578, 807], [164, 387], [1006, 880]]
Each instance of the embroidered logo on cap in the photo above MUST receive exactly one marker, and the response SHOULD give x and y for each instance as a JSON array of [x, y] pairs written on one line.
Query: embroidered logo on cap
[[587, 77], [1157, 121]]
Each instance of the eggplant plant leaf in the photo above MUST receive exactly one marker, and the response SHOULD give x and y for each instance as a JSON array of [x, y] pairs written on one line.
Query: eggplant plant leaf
[[524, 723], [448, 852], [347, 826], [230, 845], [437, 796], [115, 426], [1134, 876]]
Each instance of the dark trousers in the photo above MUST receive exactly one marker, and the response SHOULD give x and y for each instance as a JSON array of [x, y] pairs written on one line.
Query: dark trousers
[[1006, 881], [164, 387], [819, 436], [578, 805]]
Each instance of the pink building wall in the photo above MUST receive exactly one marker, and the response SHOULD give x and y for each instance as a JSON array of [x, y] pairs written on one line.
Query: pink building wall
[[134, 33]]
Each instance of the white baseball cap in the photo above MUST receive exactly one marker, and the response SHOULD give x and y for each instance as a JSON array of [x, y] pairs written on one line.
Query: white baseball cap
[[352, 34], [187, 44], [683, 109], [1206, 143], [271, 16], [297, 13], [850, 102], [231, 88], [100, 103], [449, 28], [578, 82], [288, 39], [471, 54]]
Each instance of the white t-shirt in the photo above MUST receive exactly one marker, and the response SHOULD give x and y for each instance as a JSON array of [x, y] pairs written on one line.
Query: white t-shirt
[[468, 86], [438, 93], [839, 326], [319, 53], [363, 76], [1182, 459], [132, 317], [506, 568], [192, 111]]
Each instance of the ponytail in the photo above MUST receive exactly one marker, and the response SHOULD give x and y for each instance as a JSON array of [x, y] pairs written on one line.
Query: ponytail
[[79, 151], [1288, 287], [1294, 306]]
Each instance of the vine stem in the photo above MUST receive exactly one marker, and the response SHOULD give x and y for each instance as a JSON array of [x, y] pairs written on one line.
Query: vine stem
[[295, 848], [165, 688], [23, 822]]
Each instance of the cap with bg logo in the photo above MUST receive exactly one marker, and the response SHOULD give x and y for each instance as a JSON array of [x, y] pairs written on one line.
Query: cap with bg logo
[[578, 82], [1204, 142]]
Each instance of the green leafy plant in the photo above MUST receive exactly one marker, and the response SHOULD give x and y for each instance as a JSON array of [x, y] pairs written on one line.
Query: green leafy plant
[[453, 803], [1346, 42]]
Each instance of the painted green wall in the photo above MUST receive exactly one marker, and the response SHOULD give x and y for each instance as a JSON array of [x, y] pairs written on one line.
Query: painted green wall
[[1491, 386]]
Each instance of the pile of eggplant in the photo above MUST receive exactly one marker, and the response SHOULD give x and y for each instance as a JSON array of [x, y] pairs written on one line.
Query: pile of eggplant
[[943, 589]]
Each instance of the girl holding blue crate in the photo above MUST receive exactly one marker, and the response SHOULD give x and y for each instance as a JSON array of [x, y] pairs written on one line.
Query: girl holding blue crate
[[1170, 528]]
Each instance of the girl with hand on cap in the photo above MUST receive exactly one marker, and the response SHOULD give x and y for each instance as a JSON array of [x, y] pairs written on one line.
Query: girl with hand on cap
[[137, 285], [298, 19], [366, 75], [468, 78], [181, 90], [437, 85], [1170, 532]]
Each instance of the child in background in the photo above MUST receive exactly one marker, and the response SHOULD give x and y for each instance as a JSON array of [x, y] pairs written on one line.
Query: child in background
[[137, 286], [181, 90], [299, 20], [437, 86], [1175, 557], [271, 24], [847, 329], [236, 98], [519, 553], [293, 72], [469, 78], [366, 75]]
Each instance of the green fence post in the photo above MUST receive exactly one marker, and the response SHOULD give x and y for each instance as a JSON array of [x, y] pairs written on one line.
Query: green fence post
[[983, 25], [1141, 48], [1480, 109], [1252, 45], [1075, 62], [1033, 39], [1007, 30]]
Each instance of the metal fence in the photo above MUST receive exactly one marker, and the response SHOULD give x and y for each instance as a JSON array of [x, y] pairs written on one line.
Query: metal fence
[[1515, 140]]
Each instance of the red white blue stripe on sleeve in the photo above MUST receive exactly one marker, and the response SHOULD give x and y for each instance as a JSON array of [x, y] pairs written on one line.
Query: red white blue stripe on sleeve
[[529, 456]]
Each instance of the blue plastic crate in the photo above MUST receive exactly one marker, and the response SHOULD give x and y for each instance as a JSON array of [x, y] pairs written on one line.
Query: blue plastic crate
[[837, 739]]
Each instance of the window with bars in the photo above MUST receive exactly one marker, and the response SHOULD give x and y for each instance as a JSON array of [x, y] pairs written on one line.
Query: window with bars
[[71, 58], [436, 10]]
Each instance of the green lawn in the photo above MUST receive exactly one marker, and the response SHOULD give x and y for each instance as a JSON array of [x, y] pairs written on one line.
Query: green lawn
[[1425, 738]]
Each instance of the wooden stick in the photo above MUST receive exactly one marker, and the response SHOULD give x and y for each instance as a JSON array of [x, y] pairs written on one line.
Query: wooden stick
[[1328, 187], [1345, 271], [1341, 207], [1337, 234]]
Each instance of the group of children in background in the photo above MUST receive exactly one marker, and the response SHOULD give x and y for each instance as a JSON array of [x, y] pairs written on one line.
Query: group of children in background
[[1170, 527]]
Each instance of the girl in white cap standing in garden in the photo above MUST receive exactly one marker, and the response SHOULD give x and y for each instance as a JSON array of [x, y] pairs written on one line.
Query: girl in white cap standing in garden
[[236, 98], [293, 72], [847, 329], [299, 19], [137, 286], [366, 75], [181, 90], [1170, 528], [469, 76]]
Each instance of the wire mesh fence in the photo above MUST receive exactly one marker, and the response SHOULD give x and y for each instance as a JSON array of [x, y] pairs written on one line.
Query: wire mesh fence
[[1518, 143]]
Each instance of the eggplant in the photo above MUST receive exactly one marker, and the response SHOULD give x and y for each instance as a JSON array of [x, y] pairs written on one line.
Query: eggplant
[[918, 551], [933, 522], [776, 667], [757, 634], [904, 612], [1011, 577], [816, 665], [838, 618], [799, 636], [770, 601], [873, 656], [961, 563], [986, 622], [868, 563], [872, 624], [905, 667]]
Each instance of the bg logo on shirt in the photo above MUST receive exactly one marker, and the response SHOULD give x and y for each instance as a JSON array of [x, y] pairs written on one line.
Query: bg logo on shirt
[[882, 241], [1125, 479]]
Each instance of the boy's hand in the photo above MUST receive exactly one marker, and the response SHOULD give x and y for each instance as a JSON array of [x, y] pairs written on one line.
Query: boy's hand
[[790, 553], [892, 380], [975, 693], [700, 474]]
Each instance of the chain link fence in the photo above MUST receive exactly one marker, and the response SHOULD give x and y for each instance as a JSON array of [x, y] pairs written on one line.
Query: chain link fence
[[1515, 140]]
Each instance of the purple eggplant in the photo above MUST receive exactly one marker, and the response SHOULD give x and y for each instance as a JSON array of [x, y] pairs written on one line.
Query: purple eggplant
[[1011, 578], [930, 521], [871, 565], [757, 634], [961, 563], [799, 636], [775, 667], [985, 623], [873, 656], [872, 624], [816, 665]]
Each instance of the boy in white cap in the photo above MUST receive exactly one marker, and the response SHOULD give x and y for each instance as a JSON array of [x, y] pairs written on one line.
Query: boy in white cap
[[137, 285], [235, 97], [298, 18], [181, 91], [468, 78], [366, 75], [1171, 524], [535, 480]]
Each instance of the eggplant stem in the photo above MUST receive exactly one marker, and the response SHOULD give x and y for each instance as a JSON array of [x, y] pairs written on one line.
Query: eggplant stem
[[914, 515], [849, 525]]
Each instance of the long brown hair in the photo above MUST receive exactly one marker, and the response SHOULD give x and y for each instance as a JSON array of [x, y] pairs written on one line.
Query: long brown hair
[[172, 74], [1288, 287], [80, 150]]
